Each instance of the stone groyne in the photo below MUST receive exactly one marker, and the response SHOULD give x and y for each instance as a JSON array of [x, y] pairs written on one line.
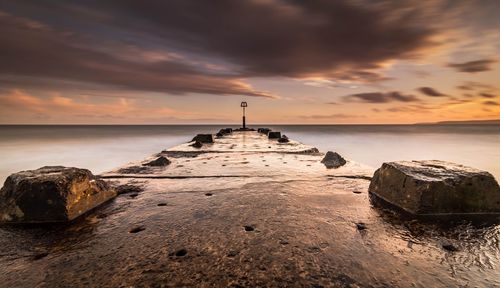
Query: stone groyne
[[246, 211]]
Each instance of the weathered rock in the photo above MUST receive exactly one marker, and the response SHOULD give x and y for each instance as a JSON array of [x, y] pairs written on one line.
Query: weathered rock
[[134, 170], [274, 135], [228, 130], [204, 138], [160, 161], [436, 187], [197, 144], [264, 130], [219, 134], [51, 194], [333, 160], [283, 139]]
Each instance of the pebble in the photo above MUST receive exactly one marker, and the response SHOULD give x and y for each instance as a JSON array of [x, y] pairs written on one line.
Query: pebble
[[361, 226]]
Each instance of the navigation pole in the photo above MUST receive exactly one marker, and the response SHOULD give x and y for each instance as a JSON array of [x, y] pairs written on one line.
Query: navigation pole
[[244, 105]]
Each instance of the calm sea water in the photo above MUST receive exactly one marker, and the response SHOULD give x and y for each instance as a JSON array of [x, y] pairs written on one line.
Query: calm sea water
[[100, 148]]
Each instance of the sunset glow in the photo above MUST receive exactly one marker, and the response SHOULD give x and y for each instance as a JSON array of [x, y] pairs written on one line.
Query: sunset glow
[[174, 62]]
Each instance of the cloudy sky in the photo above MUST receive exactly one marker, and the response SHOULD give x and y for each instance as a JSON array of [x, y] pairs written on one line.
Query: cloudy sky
[[189, 61]]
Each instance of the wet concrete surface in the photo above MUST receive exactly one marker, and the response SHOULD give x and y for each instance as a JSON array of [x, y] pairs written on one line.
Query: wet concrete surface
[[196, 222]]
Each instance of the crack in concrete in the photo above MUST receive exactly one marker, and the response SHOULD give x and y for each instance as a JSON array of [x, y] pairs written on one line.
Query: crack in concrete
[[175, 177], [362, 177]]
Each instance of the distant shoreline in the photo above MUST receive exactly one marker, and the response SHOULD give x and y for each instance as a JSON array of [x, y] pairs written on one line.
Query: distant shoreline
[[464, 122]]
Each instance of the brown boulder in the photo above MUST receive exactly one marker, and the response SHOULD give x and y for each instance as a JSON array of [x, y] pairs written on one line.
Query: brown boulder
[[436, 187], [51, 194]]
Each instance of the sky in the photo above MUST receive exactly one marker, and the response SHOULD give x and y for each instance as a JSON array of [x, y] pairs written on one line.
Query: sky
[[294, 62]]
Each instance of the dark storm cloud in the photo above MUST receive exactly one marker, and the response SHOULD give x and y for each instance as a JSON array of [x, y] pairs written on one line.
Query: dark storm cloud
[[84, 41], [379, 97], [41, 56], [288, 38], [430, 92], [473, 66]]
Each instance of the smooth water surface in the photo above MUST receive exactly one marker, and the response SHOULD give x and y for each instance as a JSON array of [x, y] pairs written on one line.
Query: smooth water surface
[[101, 148]]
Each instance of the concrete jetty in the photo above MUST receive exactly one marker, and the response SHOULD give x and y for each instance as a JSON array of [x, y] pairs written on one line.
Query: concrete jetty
[[246, 211]]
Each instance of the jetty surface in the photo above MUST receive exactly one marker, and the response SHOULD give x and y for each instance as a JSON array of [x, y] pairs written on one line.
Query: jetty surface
[[246, 211]]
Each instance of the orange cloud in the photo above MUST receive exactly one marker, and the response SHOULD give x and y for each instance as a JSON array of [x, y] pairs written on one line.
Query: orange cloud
[[66, 109], [17, 99]]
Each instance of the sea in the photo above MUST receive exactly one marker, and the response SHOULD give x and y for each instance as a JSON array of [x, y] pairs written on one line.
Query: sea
[[103, 147]]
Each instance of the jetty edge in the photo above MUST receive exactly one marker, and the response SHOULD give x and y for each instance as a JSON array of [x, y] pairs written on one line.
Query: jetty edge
[[246, 211]]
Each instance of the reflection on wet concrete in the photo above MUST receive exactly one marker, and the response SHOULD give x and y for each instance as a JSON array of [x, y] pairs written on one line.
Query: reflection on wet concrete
[[290, 225]]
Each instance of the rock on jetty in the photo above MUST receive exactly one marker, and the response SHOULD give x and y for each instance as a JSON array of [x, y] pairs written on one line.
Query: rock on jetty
[[274, 135], [203, 138], [158, 162], [283, 139], [263, 130], [51, 194], [436, 187], [333, 160]]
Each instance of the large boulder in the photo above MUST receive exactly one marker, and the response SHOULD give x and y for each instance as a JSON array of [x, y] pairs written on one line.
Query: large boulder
[[274, 135], [51, 194], [436, 187], [204, 138], [333, 160]]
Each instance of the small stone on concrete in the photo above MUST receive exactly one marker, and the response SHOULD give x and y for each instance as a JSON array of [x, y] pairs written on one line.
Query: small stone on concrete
[[197, 144], [274, 135], [283, 139], [361, 226], [158, 162], [333, 160], [204, 138]]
